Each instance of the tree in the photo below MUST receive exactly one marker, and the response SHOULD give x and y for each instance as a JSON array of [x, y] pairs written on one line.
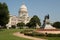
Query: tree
[[4, 14], [20, 25], [56, 24], [34, 20], [13, 26]]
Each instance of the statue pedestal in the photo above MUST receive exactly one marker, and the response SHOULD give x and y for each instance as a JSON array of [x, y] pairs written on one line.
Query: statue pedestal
[[48, 26]]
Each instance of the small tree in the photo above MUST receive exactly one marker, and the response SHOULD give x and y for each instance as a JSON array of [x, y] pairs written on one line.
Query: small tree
[[34, 20], [56, 24], [20, 25]]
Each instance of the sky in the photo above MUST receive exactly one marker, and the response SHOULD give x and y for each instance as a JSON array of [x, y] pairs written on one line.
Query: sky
[[36, 7]]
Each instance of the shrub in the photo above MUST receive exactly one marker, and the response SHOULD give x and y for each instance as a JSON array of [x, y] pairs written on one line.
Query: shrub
[[26, 31], [29, 34], [21, 25], [53, 35], [34, 34], [37, 34], [13, 26]]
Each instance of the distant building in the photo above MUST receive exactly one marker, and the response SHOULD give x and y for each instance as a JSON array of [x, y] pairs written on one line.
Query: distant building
[[23, 14], [22, 17]]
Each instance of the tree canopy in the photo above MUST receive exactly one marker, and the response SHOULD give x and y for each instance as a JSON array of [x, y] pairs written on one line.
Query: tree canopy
[[20, 25], [4, 14], [56, 24], [34, 20]]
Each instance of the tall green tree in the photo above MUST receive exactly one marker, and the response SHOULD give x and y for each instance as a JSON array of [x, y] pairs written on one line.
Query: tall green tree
[[4, 14], [34, 20]]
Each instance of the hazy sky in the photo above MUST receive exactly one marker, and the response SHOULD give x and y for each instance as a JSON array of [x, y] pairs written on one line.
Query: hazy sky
[[36, 7]]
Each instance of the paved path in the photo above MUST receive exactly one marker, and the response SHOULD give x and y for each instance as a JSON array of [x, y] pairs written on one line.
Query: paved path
[[24, 36]]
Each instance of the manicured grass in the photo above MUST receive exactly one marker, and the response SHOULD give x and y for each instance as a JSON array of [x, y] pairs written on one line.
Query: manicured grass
[[6, 34], [51, 38]]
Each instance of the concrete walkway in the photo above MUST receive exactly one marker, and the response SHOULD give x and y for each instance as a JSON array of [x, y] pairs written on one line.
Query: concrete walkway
[[28, 37]]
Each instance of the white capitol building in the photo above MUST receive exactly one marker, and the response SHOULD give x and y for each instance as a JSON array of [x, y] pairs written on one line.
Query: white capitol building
[[22, 17]]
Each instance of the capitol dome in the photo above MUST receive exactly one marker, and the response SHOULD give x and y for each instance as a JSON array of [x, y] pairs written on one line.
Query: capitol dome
[[23, 8]]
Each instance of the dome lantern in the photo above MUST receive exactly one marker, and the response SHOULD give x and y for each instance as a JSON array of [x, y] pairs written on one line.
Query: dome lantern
[[23, 8]]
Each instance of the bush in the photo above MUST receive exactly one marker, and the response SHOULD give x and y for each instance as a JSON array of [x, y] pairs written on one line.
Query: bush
[[29, 34], [34, 34], [26, 31], [13, 26], [37, 34], [21, 25], [53, 35]]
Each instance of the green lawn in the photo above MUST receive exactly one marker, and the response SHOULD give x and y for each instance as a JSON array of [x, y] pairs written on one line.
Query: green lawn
[[6, 34], [51, 38]]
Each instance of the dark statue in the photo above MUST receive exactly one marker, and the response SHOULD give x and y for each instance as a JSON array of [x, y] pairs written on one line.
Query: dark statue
[[46, 17]]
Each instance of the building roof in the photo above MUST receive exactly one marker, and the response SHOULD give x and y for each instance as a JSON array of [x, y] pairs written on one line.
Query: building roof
[[23, 7]]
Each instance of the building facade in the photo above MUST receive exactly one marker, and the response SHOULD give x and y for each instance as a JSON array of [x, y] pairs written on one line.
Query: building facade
[[23, 14], [22, 17]]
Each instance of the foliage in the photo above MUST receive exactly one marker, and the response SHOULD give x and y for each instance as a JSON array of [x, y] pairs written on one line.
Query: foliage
[[20, 25], [13, 26], [53, 35], [4, 14], [37, 34], [56, 24], [34, 20], [31, 25], [26, 31], [34, 34]]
